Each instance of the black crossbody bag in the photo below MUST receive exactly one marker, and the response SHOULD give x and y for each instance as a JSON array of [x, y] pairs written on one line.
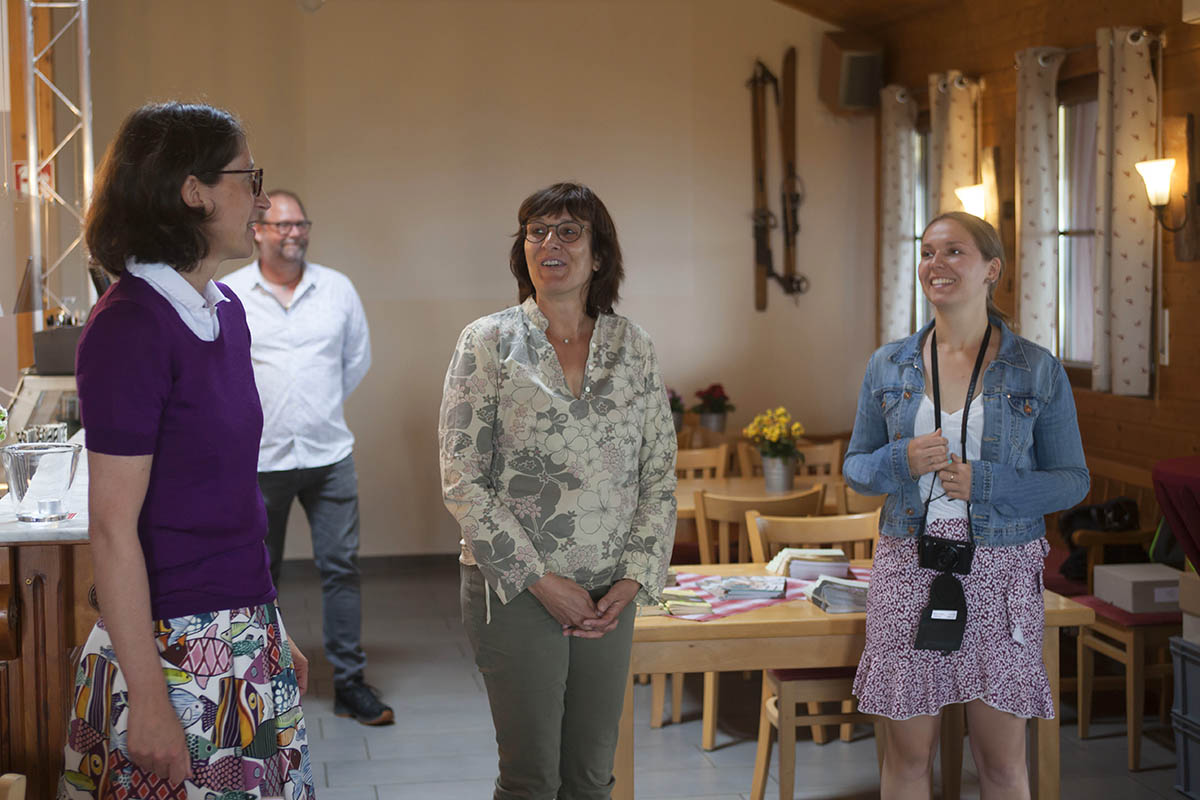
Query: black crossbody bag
[[944, 618]]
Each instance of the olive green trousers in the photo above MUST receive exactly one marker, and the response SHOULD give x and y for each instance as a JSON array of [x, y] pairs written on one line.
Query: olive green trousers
[[556, 700]]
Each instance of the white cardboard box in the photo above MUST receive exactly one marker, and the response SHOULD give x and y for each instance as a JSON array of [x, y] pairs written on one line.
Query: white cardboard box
[[1191, 628], [1137, 588]]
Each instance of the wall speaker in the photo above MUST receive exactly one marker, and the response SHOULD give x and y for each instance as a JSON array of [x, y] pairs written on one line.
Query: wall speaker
[[851, 73]]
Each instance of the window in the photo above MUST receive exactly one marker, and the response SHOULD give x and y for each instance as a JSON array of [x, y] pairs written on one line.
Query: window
[[1077, 112]]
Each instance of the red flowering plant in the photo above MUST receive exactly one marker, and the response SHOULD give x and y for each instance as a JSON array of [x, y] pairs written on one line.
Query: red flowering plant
[[713, 400], [676, 401]]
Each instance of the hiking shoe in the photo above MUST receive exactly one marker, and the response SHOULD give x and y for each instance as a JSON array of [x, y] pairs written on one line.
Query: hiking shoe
[[359, 701]]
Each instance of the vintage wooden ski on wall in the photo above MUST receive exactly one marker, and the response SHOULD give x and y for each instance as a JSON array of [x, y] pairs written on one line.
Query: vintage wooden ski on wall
[[764, 218]]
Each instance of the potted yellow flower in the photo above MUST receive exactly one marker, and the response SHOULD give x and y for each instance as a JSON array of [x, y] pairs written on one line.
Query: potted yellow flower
[[775, 434]]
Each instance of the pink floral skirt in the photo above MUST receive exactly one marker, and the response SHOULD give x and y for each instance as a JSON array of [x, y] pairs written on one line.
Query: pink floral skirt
[[1000, 661]]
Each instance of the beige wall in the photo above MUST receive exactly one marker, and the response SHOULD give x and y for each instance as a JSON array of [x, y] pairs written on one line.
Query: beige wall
[[413, 129]]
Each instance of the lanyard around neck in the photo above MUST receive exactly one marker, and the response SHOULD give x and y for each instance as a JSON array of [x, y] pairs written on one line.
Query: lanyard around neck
[[966, 411]]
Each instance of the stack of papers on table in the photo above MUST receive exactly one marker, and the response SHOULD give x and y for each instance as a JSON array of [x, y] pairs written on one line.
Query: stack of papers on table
[[681, 602], [838, 595], [808, 564], [741, 587]]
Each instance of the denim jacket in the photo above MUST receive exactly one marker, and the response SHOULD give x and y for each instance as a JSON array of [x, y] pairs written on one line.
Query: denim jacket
[[1031, 458]]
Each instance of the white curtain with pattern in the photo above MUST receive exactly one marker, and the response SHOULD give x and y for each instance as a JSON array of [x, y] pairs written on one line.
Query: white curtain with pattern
[[897, 251], [952, 138], [1037, 192], [1123, 262]]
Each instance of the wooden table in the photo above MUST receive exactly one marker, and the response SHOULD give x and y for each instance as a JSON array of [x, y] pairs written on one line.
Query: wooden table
[[685, 492], [798, 634]]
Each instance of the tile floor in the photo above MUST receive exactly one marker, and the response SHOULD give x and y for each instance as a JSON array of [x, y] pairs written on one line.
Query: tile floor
[[442, 745]]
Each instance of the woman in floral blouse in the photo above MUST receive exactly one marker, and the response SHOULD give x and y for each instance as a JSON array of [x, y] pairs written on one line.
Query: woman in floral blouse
[[557, 456]]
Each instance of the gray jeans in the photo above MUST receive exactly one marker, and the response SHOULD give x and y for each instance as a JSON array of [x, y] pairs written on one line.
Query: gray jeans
[[556, 701], [329, 497]]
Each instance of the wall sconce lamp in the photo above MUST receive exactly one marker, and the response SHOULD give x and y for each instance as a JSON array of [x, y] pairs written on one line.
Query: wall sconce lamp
[[1157, 176], [973, 199]]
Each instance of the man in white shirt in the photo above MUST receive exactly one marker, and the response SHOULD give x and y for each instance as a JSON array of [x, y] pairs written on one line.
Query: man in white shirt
[[311, 348]]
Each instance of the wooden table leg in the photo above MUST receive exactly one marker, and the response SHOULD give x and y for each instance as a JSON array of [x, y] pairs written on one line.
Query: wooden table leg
[[953, 728], [623, 763], [1044, 747]]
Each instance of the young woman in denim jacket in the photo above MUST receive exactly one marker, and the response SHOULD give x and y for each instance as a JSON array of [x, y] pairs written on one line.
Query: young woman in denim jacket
[[1023, 460]]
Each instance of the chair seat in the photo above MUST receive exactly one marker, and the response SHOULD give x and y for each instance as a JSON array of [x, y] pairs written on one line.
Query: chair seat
[[812, 674], [1127, 618]]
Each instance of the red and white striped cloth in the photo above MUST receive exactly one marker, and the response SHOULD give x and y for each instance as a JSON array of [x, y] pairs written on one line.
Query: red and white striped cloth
[[723, 607]]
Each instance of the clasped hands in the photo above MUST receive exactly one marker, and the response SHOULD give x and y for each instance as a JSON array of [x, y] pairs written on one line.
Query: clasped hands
[[572, 606], [931, 453]]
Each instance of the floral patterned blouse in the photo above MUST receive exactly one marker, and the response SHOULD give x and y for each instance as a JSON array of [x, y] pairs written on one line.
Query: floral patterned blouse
[[541, 481]]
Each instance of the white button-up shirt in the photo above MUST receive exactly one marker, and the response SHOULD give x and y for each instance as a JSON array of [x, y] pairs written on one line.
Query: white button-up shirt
[[308, 357], [198, 310]]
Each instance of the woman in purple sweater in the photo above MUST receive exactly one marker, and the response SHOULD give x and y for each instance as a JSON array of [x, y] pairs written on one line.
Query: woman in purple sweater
[[188, 686]]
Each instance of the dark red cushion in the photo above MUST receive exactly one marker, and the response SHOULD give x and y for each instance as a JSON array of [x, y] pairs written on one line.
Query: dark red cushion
[[812, 674], [1060, 585], [1123, 617]]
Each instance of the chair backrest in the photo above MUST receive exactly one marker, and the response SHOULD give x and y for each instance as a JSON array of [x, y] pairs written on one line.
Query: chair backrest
[[855, 503], [749, 460], [820, 459], [1111, 479], [854, 533], [683, 439], [715, 514], [705, 462]]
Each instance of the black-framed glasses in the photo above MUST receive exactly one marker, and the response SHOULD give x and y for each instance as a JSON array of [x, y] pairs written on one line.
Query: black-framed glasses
[[284, 226], [256, 177], [567, 231]]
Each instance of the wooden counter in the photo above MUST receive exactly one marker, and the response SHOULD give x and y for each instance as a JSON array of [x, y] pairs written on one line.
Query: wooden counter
[[47, 609]]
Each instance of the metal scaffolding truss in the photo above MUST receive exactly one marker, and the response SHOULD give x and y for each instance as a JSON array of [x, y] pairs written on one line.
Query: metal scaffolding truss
[[42, 196]]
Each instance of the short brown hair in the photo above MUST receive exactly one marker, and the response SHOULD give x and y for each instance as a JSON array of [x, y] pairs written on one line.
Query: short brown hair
[[990, 247], [137, 209], [582, 204]]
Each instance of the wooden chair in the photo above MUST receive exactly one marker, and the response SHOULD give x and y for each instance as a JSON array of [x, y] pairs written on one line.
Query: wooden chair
[[750, 459], [855, 503], [1137, 641], [722, 511], [12, 787], [683, 439], [1126, 638], [704, 462], [783, 690], [820, 459]]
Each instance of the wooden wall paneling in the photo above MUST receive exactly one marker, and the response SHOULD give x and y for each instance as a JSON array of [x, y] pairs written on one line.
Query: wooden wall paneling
[[980, 37]]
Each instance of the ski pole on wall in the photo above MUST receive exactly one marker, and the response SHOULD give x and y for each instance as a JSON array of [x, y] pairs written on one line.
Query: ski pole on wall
[[792, 190]]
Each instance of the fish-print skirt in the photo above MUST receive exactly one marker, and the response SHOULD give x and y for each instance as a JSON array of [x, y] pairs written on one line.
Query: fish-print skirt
[[231, 679], [1000, 661]]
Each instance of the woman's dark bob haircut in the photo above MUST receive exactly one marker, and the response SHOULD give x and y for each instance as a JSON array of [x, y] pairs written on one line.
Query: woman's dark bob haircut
[[137, 208], [584, 206]]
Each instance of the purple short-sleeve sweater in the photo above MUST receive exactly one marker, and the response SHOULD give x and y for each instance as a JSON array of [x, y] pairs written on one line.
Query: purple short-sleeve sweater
[[149, 386]]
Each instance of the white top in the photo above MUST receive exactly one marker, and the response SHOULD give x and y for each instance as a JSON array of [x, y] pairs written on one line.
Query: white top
[[197, 310], [943, 507], [308, 357]]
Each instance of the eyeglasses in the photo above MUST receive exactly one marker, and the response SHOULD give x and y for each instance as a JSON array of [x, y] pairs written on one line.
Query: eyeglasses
[[567, 231], [283, 226], [256, 177]]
